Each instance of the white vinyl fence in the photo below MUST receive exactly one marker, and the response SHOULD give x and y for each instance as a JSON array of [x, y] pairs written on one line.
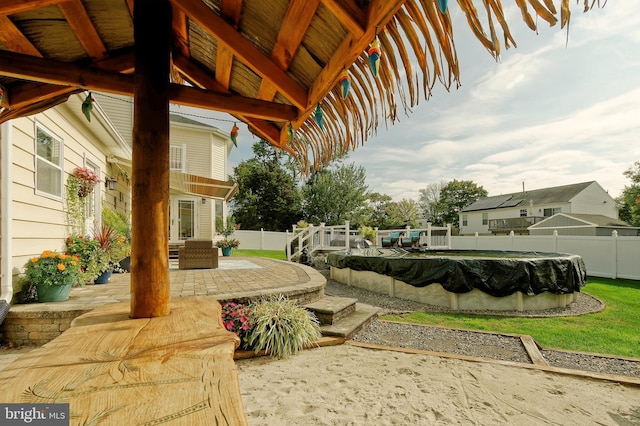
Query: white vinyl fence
[[609, 257]]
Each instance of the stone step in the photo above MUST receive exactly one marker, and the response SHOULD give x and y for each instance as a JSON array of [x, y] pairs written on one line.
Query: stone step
[[330, 310], [352, 323]]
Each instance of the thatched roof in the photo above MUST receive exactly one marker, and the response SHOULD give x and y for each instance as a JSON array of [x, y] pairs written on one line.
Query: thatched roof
[[269, 63]]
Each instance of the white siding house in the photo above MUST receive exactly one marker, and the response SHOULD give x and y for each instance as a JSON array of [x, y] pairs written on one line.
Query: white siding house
[[38, 153], [199, 189], [516, 212]]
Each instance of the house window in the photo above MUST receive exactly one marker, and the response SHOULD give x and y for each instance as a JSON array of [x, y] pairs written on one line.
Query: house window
[[485, 218], [523, 212], [552, 211], [178, 158], [465, 220], [48, 163]]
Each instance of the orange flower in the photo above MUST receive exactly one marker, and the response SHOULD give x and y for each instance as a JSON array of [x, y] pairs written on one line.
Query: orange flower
[[34, 260], [61, 267]]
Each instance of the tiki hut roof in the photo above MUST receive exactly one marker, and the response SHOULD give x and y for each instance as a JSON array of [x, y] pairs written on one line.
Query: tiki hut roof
[[270, 64]]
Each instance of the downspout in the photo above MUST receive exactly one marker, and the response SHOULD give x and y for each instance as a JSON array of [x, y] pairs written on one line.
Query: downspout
[[6, 266]]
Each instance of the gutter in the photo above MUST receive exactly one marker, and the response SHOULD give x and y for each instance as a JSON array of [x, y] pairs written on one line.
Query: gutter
[[6, 267]]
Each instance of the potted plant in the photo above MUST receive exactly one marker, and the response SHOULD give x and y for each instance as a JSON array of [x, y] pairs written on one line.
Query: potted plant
[[226, 229], [107, 243], [121, 251], [53, 274], [93, 260], [227, 244]]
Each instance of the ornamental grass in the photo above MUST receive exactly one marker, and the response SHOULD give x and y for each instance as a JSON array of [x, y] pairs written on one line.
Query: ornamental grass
[[281, 327]]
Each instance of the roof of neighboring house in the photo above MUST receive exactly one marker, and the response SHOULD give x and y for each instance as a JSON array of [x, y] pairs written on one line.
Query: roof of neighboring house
[[556, 194], [582, 220], [177, 118]]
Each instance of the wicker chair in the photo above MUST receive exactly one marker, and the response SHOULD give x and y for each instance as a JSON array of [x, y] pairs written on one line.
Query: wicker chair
[[198, 254]]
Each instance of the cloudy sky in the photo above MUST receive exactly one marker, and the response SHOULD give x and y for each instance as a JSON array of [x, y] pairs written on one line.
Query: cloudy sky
[[548, 113]]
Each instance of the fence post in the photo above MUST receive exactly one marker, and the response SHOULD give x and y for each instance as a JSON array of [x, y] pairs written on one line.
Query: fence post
[[429, 234], [555, 240], [511, 235], [378, 242], [614, 253], [476, 241], [449, 235], [261, 238], [309, 237], [346, 234], [288, 246]]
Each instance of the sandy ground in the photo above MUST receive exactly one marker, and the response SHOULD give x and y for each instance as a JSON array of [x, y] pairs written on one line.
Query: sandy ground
[[348, 385]]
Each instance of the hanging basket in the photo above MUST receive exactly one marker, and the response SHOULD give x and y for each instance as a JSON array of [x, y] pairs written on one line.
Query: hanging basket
[[86, 188]]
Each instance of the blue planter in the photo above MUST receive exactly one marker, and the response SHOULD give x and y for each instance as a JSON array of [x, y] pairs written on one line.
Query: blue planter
[[104, 278], [226, 251]]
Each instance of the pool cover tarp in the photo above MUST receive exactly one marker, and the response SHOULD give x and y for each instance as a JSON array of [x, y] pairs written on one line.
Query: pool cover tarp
[[498, 273]]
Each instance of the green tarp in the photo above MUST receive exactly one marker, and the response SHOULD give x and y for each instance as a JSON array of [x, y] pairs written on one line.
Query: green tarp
[[498, 273]]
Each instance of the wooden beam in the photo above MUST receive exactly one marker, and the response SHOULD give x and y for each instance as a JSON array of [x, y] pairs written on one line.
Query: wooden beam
[[78, 76], [349, 15], [294, 27], [9, 7], [216, 26], [232, 104], [83, 27], [25, 93], [64, 73], [230, 11], [197, 76], [150, 285], [224, 62], [180, 31], [14, 40]]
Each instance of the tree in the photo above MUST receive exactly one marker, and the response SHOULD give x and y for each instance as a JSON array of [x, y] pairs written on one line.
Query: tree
[[332, 196], [268, 196], [378, 211], [454, 196], [429, 202], [630, 198], [404, 212]]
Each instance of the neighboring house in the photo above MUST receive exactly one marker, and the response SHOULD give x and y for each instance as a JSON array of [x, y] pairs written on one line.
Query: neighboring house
[[516, 212], [38, 153], [591, 225]]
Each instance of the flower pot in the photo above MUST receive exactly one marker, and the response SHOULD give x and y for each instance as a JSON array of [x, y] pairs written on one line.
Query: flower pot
[[53, 293], [103, 278], [226, 251], [126, 263]]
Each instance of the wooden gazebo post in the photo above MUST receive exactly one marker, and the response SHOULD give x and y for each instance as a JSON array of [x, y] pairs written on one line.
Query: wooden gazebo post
[[150, 286]]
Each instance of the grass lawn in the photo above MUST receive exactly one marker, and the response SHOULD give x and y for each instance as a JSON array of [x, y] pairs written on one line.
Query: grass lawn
[[271, 254], [615, 331]]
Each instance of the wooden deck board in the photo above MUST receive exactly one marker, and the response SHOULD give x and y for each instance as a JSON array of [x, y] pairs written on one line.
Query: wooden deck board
[[116, 370]]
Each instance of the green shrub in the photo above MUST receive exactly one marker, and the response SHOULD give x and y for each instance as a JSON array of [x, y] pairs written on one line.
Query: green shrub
[[281, 327]]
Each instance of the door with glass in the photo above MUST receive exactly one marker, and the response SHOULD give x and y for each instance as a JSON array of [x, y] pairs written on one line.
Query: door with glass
[[182, 220]]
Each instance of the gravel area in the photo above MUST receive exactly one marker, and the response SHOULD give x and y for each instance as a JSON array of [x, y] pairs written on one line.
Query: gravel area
[[472, 343]]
